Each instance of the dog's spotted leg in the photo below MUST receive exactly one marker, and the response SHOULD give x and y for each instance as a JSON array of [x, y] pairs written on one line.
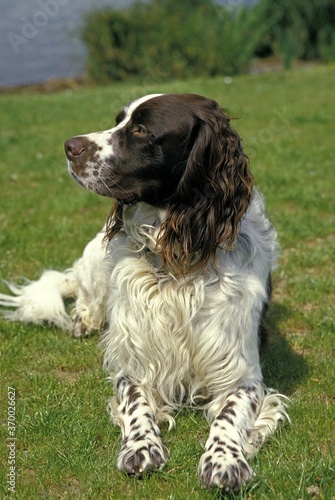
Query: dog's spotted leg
[[223, 464], [142, 448]]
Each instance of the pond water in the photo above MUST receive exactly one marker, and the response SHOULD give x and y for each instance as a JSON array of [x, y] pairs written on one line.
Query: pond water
[[40, 39]]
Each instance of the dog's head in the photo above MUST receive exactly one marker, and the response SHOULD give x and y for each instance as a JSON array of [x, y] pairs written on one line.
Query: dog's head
[[176, 151]]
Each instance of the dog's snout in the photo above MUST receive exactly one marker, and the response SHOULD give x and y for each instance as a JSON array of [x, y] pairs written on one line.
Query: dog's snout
[[75, 147]]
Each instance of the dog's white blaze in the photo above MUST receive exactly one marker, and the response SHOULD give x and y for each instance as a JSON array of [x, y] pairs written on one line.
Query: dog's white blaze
[[104, 139]]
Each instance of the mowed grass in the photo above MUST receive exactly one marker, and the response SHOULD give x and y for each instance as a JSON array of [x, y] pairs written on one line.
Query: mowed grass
[[66, 446]]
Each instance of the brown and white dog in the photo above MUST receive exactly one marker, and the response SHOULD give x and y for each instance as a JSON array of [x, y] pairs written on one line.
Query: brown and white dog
[[179, 280]]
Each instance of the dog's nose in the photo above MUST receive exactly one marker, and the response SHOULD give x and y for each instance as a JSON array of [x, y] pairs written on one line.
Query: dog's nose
[[75, 147]]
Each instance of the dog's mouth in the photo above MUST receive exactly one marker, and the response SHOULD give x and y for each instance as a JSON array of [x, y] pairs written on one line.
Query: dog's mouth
[[75, 176], [125, 197]]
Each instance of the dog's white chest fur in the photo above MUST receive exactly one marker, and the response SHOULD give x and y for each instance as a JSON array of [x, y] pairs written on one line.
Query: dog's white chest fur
[[182, 338]]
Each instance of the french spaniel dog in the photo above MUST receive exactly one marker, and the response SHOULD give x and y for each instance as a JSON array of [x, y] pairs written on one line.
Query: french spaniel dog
[[178, 280]]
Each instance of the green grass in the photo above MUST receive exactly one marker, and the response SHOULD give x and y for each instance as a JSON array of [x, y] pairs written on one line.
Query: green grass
[[66, 447]]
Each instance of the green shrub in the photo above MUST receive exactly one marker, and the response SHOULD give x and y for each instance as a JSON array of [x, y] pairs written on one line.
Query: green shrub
[[170, 39], [299, 29], [114, 42], [165, 39]]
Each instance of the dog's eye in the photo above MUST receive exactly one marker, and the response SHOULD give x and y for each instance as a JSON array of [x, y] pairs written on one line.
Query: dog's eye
[[140, 131]]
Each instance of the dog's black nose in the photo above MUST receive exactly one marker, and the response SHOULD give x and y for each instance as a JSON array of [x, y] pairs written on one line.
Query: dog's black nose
[[75, 147]]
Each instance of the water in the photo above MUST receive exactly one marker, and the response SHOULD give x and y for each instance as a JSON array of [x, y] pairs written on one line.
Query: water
[[40, 39]]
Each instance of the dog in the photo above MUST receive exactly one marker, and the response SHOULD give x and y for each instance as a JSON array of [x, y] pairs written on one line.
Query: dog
[[178, 280]]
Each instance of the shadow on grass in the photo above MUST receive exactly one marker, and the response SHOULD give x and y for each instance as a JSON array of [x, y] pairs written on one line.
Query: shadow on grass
[[283, 369]]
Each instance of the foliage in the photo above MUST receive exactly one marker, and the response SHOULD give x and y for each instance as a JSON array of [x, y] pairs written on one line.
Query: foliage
[[66, 445], [170, 39], [299, 29], [165, 39]]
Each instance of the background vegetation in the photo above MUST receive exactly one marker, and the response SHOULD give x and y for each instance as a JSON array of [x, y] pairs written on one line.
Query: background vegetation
[[66, 446], [203, 37]]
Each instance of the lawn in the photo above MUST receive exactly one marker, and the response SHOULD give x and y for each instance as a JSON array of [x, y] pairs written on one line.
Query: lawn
[[65, 446]]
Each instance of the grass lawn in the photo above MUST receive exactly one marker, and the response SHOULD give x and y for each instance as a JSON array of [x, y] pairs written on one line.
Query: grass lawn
[[66, 447]]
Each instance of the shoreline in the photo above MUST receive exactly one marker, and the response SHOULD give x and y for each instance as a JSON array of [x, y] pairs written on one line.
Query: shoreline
[[267, 65]]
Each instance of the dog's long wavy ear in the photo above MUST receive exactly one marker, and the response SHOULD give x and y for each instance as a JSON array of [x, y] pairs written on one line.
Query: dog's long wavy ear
[[211, 198]]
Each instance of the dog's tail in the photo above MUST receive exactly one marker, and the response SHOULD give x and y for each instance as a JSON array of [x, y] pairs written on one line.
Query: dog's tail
[[41, 300]]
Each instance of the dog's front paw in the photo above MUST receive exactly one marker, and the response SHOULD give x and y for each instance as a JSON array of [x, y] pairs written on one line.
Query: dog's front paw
[[223, 470], [138, 456]]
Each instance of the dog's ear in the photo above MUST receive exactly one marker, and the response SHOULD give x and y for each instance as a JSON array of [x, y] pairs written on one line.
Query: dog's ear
[[211, 198]]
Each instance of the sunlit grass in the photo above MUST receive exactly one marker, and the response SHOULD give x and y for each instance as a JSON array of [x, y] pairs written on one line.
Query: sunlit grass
[[66, 446]]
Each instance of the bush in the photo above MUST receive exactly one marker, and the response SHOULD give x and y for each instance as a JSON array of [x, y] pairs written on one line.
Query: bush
[[167, 39], [170, 39], [299, 29]]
